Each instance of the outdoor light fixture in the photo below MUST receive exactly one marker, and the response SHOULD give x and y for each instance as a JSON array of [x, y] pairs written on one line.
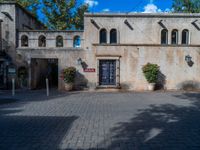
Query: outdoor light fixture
[[188, 58], [79, 61]]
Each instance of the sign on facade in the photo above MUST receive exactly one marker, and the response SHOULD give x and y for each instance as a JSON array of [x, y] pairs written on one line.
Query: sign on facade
[[11, 71], [90, 70]]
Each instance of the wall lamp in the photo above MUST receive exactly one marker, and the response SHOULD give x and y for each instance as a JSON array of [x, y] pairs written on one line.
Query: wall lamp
[[189, 61], [79, 61], [188, 58]]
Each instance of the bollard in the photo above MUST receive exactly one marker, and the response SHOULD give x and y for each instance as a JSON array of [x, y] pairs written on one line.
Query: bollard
[[13, 86], [47, 86]]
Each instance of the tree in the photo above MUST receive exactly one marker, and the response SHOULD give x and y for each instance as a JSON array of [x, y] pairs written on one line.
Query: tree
[[64, 14], [57, 14], [186, 6], [30, 5]]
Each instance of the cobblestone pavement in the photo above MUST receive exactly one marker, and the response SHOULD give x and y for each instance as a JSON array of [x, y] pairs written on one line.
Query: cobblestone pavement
[[105, 121]]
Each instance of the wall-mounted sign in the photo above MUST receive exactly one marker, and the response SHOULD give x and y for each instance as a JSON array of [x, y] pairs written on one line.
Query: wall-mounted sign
[[90, 70], [11, 71]]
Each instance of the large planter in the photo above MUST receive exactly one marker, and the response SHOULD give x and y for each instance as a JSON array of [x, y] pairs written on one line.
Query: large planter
[[151, 86], [68, 86]]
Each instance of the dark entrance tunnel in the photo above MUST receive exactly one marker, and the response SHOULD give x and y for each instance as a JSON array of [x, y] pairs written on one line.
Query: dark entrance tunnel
[[42, 69]]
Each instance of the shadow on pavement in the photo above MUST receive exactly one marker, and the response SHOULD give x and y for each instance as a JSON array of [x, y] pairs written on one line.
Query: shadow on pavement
[[31, 133], [27, 96], [164, 127], [4, 101], [159, 127]]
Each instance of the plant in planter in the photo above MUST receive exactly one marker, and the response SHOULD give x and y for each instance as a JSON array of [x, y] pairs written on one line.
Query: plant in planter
[[151, 74], [69, 75], [22, 76]]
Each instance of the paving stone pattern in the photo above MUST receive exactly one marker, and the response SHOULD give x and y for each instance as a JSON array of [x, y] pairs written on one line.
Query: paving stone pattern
[[104, 121]]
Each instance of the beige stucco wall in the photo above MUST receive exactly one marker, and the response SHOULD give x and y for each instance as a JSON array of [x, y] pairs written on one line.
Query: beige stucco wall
[[170, 59], [68, 38], [8, 29], [66, 58], [134, 49], [146, 29]]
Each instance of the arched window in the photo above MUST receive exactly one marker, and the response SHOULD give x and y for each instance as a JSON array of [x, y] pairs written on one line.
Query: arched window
[[24, 41], [59, 41], [174, 39], [42, 41], [77, 41], [103, 36], [185, 37], [113, 36], [164, 36]]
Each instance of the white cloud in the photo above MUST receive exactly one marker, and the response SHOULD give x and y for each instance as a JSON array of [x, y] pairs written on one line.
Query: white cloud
[[91, 3], [106, 10], [168, 10], [151, 8]]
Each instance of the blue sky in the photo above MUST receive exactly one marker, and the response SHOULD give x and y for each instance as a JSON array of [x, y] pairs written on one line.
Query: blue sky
[[129, 5]]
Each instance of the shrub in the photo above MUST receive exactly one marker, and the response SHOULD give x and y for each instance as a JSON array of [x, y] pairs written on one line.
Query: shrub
[[22, 73], [151, 72], [69, 74]]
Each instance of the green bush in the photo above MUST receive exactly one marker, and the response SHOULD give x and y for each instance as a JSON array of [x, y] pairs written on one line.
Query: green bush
[[69, 74], [22, 73], [151, 72]]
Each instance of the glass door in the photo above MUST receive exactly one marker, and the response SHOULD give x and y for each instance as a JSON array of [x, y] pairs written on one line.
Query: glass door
[[107, 72]]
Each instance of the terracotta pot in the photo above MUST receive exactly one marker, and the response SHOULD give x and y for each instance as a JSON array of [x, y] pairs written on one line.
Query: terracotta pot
[[151, 86], [68, 86]]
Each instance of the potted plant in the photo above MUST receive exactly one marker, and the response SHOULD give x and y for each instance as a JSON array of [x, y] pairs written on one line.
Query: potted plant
[[69, 75], [22, 76], [151, 74]]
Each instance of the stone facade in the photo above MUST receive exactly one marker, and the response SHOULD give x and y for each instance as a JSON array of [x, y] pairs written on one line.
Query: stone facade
[[115, 61], [14, 18]]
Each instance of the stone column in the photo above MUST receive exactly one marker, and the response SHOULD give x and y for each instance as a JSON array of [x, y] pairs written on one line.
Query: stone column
[[29, 72], [118, 72]]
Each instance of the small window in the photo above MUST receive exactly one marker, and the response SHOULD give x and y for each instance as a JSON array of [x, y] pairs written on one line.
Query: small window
[[185, 37], [103, 36], [59, 41], [174, 37], [77, 41], [24, 41], [113, 36], [42, 41], [164, 36]]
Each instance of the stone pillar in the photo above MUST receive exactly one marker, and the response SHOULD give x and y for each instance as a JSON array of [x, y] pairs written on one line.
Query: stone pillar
[[1, 46], [29, 73], [98, 72], [118, 73]]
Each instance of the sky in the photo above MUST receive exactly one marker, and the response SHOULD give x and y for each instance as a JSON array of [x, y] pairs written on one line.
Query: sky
[[147, 6]]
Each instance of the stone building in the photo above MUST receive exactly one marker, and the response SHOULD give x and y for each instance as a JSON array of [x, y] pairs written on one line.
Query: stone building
[[111, 50], [13, 18]]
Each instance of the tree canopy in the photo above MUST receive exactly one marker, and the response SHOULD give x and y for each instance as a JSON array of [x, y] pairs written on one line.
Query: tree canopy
[[186, 6], [30, 5], [57, 14], [64, 14]]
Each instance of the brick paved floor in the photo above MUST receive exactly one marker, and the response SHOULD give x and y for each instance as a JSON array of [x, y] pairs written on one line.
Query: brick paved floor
[[105, 121]]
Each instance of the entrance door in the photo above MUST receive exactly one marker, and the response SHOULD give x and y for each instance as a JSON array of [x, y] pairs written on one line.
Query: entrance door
[[107, 72]]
